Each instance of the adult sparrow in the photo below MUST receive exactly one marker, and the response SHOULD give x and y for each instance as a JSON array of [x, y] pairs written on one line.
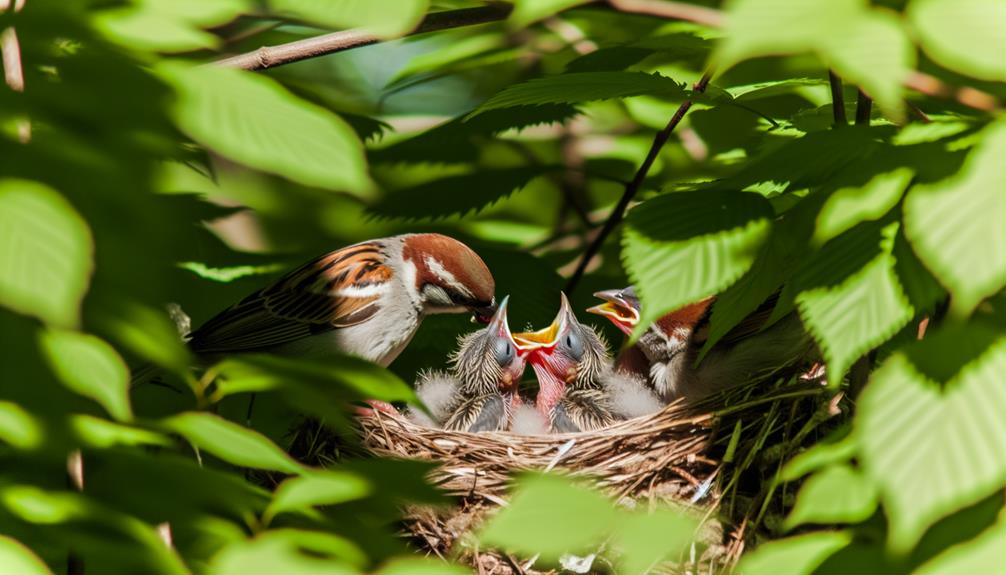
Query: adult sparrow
[[667, 351], [367, 299], [480, 390], [579, 390]]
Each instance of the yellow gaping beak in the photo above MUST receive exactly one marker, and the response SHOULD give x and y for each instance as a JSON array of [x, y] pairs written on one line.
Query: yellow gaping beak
[[546, 338], [617, 309]]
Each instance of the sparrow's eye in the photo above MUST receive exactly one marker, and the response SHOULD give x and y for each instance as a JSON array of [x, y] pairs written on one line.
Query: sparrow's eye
[[573, 344], [503, 351]]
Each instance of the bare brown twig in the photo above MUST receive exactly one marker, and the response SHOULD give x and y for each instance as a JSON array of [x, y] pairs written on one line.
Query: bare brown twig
[[13, 70], [837, 100], [864, 107], [272, 56], [633, 187], [674, 10]]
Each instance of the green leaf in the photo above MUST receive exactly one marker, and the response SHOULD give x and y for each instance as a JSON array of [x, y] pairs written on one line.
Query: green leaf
[[322, 488], [17, 559], [19, 428], [848, 206], [384, 19], [983, 554], [869, 47], [551, 516], [959, 429], [582, 87], [874, 52], [251, 119], [417, 566], [45, 253], [231, 442], [291, 552], [955, 224], [837, 494], [460, 50], [681, 247], [829, 451], [96, 432], [168, 26], [458, 195], [963, 35], [850, 305], [647, 538], [89, 366], [799, 555], [528, 11]]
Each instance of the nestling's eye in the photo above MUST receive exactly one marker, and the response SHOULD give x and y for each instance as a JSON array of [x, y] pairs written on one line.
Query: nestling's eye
[[574, 344], [503, 351]]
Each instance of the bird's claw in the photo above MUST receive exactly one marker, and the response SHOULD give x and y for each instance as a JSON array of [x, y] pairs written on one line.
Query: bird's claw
[[375, 406]]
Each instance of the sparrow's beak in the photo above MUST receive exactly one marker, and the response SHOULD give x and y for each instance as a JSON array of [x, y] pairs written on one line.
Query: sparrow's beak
[[485, 314], [554, 370], [619, 308], [497, 321]]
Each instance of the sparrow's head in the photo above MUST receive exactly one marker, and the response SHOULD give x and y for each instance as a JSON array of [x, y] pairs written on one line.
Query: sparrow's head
[[487, 361], [621, 307], [450, 277], [565, 353]]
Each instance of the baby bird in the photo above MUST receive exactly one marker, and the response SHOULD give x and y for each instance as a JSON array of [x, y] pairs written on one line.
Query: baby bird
[[479, 393], [666, 353], [578, 388]]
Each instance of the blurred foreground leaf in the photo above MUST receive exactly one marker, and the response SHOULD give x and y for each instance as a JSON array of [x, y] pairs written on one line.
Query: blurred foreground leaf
[[89, 366], [231, 442]]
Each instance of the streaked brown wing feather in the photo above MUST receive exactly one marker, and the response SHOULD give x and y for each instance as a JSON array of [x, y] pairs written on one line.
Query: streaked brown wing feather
[[480, 413], [582, 410], [300, 304]]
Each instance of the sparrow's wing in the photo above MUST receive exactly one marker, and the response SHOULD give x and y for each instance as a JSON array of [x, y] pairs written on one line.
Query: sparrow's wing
[[480, 413], [582, 410], [753, 323], [339, 289]]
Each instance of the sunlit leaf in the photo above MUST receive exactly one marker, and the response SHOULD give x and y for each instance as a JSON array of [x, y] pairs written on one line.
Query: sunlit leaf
[[89, 366], [646, 538], [100, 433], [582, 87], [168, 26], [417, 566], [904, 413], [963, 35], [322, 488], [799, 555], [551, 516], [983, 554], [231, 442], [251, 119], [384, 19], [828, 451], [682, 247], [955, 224], [17, 559], [18, 427], [837, 494], [850, 305], [45, 253], [292, 552], [527, 11], [848, 206]]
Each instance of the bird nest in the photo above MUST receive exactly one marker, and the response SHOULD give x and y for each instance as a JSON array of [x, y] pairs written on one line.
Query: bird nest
[[672, 456], [655, 458]]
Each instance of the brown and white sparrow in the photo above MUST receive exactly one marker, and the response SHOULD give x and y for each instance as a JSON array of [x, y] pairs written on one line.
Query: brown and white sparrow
[[667, 352], [579, 390], [480, 391], [367, 299]]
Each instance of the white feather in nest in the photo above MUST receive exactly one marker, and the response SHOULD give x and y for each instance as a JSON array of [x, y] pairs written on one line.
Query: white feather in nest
[[629, 395], [438, 391], [526, 420]]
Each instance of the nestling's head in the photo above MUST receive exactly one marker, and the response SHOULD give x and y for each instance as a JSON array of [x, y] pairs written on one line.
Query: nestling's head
[[449, 276], [621, 307], [567, 352], [486, 360]]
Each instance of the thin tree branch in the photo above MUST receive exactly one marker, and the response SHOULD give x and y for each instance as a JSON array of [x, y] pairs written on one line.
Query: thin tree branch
[[13, 71], [864, 107], [633, 187], [673, 10], [917, 112], [272, 56], [967, 96], [837, 99]]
